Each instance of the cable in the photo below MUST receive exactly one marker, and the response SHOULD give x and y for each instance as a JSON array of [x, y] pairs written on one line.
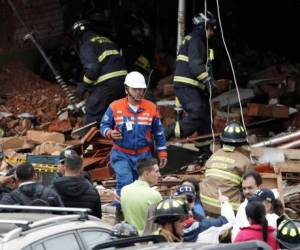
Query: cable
[[210, 88], [148, 82], [232, 69]]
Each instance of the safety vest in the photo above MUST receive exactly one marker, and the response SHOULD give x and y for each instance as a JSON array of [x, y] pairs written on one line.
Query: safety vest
[[223, 171], [193, 75], [104, 55]]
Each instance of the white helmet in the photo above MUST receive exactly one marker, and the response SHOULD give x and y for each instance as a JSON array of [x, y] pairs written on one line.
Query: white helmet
[[135, 80]]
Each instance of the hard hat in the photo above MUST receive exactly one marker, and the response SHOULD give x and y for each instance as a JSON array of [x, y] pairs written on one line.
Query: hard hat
[[234, 134], [288, 233], [135, 80], [124, 229], [170, 210], [186, 190], [210, 19], [80, 27]]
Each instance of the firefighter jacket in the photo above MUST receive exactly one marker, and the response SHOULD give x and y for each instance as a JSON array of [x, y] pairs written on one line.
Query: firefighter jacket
[[223, 171], [191, 67], [101, 59], [138, 129]]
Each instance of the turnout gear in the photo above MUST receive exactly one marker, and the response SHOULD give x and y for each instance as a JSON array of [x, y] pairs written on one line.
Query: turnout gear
[[209, 19], [288, 233], [124, 229], [135, 80], [192, 78], [104, 72], [170, 210], [234, 135], [223, 170]]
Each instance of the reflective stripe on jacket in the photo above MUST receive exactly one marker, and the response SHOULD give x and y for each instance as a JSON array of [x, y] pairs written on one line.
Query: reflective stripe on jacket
[[223, 171], [145, 123], [102, 56], [191, 65]]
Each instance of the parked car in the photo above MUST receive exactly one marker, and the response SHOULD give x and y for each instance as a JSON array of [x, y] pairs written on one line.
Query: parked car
[[157, 242], [29, 230]]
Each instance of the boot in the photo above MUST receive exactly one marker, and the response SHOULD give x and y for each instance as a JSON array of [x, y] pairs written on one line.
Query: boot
[[119, 215], [169, 131]]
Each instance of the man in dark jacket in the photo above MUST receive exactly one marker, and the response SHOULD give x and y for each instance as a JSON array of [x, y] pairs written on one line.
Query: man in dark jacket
[[193, 78], [74, 189], [103, 67], [30, 192]]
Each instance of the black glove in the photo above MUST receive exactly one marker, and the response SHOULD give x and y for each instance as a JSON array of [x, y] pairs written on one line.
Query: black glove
[[81, 89], [211, 86]]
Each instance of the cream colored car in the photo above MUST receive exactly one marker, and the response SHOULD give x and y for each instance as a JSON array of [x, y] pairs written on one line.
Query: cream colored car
[[44, 231]]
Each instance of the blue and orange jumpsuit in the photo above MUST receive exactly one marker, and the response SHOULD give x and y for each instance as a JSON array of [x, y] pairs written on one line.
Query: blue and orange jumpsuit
[[138, 138]]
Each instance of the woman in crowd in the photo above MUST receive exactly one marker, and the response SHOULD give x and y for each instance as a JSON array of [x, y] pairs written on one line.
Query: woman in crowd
[[258, 229]]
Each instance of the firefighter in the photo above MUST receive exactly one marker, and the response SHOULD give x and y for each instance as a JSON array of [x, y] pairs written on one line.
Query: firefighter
[[224, 170], [288, 233], [104, 70], [171, 214], [193, 78], [133, 123]]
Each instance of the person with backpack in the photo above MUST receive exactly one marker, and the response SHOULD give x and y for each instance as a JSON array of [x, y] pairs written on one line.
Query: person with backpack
[[73, 187], [29, 191]]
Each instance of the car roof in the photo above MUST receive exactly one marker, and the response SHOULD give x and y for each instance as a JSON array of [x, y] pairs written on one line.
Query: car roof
[[13, 225]]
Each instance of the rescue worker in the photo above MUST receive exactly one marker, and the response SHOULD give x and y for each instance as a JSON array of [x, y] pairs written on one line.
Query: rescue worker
[[104, 70], [224, 170], [288, 233], [171, 214], [193, 78], [133, 123]]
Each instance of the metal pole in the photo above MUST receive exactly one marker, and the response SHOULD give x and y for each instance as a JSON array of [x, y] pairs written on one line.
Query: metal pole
[[293, 144], [181, 22], [278, 140]]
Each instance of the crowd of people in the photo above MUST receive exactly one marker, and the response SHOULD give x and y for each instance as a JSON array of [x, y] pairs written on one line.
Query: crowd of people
[[210, 211]]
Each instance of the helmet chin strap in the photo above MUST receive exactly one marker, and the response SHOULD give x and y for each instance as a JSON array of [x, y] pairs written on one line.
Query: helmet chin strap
[[133, 97]]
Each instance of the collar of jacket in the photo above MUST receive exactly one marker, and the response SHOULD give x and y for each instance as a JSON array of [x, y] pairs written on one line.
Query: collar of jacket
[[141, 108]]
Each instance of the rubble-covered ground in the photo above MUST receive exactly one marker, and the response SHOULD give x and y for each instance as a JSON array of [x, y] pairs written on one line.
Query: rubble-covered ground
[[27, 101]]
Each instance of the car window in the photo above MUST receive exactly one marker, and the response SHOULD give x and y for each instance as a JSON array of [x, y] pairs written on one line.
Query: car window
[[93, 237], [38, 247], [63, 242]]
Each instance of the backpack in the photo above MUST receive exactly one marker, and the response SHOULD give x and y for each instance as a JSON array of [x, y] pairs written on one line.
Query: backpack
[[23, 199]]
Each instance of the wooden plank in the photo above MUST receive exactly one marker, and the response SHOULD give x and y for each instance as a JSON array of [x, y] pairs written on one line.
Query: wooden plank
[[289, 167], [290, 154]]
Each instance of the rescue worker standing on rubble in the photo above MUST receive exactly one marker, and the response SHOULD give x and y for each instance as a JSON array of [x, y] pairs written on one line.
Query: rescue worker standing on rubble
[[224, 170], [104, 70], [133, 123], [193, 78]]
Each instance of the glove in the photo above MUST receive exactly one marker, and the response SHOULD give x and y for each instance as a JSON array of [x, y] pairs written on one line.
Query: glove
[[80, 90], [211, 86]]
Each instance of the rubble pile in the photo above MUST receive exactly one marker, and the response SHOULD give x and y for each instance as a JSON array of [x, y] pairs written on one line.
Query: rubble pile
[[27, 101], [292, 201]]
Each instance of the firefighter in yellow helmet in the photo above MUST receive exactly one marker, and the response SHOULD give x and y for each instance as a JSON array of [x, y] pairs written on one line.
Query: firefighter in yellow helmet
[[171, 214], [224, 170]]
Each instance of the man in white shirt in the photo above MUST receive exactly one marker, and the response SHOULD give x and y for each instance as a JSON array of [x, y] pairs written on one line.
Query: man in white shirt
[[250, 184]]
